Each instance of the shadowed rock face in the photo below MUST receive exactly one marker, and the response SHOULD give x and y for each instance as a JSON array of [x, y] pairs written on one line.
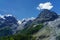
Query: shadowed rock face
[[51, 29], [46, 15], [8, 21], [8, 25]]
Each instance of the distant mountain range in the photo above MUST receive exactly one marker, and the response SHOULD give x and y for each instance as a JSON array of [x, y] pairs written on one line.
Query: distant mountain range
[[9, 23], [12, 25], [50, 29], [46, 26]]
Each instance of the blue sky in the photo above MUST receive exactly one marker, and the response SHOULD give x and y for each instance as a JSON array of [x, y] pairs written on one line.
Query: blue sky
[[25, 8]]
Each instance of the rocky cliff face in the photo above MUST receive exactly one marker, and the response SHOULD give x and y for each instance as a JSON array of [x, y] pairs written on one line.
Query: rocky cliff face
[[46, 15], [9, 24], [51, 30]]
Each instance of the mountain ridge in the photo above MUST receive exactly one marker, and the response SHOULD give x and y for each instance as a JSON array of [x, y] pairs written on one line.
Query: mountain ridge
[[46, 26], [48, 18]]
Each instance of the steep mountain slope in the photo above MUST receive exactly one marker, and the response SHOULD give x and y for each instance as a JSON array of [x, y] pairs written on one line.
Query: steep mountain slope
[[8, 25], [24, 23], [51, 23], [45, 27], [46, 15], [51, 29]]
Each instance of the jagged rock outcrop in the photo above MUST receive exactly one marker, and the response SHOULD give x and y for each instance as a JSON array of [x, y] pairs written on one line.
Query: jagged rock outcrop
[[46, 15], [9, 24], [51, 30]]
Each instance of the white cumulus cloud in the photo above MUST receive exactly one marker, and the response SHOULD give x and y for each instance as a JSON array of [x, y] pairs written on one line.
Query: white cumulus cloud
[[46, 5]]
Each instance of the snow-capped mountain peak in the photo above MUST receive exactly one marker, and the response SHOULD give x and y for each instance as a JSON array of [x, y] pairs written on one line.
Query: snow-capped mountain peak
[[27, 19], [8, 15], [19, 22], [2, 16]]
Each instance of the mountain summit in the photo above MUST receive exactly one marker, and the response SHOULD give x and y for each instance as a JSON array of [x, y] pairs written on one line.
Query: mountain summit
[[8, 25], [45, 27], [51, 23], [46, 15]]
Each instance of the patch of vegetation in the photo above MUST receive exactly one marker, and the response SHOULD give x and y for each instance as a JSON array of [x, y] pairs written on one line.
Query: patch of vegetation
[[32, 29], [18, 37], [25, 34]]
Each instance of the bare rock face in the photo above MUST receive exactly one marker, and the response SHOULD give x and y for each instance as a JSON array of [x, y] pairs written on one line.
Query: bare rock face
[[8, 25], [55, 27], [46, 15], [51, 30]]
